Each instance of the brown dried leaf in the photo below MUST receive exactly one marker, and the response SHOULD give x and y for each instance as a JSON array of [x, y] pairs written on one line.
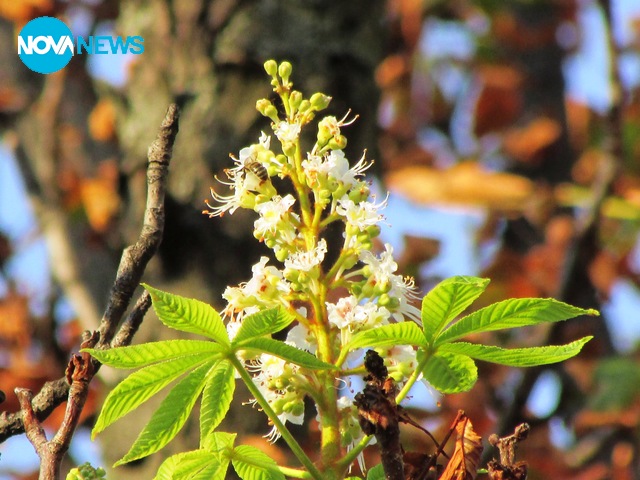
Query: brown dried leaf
[[463, 184], [464, 463], [527, 144], [500, 99]]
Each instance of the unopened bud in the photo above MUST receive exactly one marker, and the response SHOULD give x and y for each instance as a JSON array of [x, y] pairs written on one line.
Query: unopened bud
[[320, 101], [284, 70], [271, 67]]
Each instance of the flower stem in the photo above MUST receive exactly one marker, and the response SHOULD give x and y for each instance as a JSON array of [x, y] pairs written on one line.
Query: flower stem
[[282, 429]]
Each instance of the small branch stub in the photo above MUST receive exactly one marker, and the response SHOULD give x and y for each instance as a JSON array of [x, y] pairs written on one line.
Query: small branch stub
[[507, 468]]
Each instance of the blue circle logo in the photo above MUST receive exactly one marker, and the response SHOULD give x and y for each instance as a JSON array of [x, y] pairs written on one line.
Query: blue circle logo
[[45, 45]]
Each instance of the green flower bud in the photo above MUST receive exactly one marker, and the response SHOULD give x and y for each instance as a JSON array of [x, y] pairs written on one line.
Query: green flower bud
[[393, 304], [373, 231], [282, 254], [271, 67], [359, 193], [289, 149], [338, 142], [272, 113], [384, 300], [368, 291], [284, 70], [320, 101], [295, 99], [305, 105]]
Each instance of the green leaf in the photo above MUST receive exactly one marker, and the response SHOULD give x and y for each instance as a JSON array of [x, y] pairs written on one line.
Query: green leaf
[[376, 473], [216, 398], [188, 315], [135, 356], [450, 372], [263, 323], [220, 443], [253, 464], [515, 312], [447, 300], [403, 333], [141, 385], [169, 418], [517, 357], [285, 352], [195, 465]]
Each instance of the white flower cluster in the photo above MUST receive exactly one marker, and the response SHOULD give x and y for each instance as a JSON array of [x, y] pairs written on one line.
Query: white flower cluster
[[357, 291]]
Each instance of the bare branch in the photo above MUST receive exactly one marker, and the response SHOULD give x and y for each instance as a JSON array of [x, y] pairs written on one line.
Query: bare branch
[[82, 368], [135, 258]]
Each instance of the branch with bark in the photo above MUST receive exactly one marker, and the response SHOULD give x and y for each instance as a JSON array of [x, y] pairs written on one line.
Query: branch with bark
[[75, 386]]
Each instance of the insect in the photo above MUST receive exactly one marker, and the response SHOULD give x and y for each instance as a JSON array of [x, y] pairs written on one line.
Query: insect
[[258, 170]]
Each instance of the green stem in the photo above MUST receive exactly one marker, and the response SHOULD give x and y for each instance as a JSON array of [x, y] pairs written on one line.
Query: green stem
[[282, 429], [289, 472], [412, 379]]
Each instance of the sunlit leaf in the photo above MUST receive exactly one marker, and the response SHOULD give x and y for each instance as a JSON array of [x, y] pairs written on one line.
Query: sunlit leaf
[[196, 465], [517, 357], [447, 300], [216, 398], [285, 352], [516, 312], [188, 315], [135, 356], [403, 333], [169, 418], [141, 385], [263, 323], [253, 464], [450, 372], [220, 443]]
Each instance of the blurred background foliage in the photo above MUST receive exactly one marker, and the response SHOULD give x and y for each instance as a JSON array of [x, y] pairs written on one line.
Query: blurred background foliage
[[508, 133]]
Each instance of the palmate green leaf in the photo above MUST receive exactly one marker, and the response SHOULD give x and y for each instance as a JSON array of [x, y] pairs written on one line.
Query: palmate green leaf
[[169, 418], [208, 463], [220, 443], [516, 312], [450, 372], [285, 352], [141, 385], [447, 300], [376, 473], [517, 357], [195, 465], [216, 398], [263, 323], [188, 315], [403, 333], [253, 464], [135, 356]]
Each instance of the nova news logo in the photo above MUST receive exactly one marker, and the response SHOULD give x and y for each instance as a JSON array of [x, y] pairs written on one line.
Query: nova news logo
[[46, 45]]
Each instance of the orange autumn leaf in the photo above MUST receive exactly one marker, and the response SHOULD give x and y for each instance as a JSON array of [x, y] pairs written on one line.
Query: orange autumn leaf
[[464, 184], [102, 121], [527, 144], [21, 11], [100, 197], [464, 463]]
